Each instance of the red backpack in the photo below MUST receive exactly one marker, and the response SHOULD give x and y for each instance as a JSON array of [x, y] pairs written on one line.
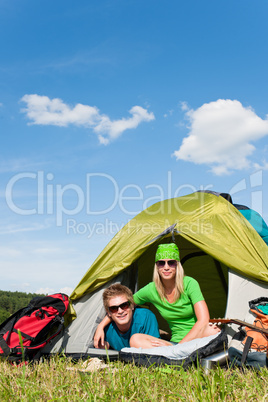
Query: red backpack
[[38, 323]]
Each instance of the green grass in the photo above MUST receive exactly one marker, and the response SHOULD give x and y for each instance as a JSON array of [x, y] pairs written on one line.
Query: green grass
[[52, 381]]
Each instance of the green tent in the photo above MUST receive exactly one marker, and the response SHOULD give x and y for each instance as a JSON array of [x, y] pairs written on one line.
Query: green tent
[[218, 247]]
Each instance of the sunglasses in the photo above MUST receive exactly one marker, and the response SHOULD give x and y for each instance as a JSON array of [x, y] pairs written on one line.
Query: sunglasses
[[124, 306], [171, 263]]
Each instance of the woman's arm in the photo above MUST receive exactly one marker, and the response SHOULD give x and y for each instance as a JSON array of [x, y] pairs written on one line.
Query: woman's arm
[[202, 327], [99, 334]]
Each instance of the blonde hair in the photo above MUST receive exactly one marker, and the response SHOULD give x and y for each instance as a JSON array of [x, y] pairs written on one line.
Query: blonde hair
[[179, 289], [116, 290]]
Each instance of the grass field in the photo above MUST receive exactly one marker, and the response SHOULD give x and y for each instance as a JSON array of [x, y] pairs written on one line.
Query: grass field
[[61, 380]]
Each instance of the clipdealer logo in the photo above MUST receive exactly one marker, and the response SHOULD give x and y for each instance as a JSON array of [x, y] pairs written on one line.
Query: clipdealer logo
[[71, 199], [70, 203]]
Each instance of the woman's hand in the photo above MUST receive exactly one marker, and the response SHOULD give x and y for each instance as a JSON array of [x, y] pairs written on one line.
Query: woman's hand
[[156, 343], [211, 329]]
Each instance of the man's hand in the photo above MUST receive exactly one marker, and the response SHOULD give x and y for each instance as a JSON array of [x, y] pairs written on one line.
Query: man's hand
[[99, 338], [105, 346]]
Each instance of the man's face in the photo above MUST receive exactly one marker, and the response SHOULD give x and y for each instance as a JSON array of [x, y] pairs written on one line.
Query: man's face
[[123, 316]]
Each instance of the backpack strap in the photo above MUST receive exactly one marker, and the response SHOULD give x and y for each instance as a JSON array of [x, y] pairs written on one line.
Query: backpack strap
[[25, 336], [7, 326], [41, 313], [4, 346], [246, 349]]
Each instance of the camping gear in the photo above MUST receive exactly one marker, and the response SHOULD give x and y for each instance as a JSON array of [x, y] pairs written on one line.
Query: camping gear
[[250, 327], [249, 346], [182, 354], [259, 337], [255, 360], [218, 247], [28, 330]]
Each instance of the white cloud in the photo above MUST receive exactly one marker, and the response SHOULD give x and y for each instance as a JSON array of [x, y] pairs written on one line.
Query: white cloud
[[261, 166], [50, 291], [46, 250], [42, 110], [9, 252], [17, 228], [55, 252], [220, 135], [184, 106], [18, 165], [24, 285], [169, 113], [66, 290], [45, 291]]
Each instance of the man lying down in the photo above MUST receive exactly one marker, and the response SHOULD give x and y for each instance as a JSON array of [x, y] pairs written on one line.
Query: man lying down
[[125, 321]]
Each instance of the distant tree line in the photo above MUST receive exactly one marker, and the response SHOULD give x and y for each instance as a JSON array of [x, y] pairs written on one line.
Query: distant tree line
[[10, 302]]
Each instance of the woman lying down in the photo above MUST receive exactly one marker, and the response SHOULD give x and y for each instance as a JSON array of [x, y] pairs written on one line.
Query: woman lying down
[[178, 299]]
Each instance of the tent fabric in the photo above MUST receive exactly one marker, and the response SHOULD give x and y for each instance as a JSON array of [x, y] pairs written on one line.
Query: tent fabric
[[243, 286], [256, 221], [206, 221], [252, 216]]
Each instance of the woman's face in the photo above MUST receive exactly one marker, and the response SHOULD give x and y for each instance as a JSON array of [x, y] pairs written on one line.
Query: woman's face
[[167, 269]]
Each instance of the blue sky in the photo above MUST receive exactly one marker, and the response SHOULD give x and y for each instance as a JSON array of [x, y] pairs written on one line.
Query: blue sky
[[110, 105]]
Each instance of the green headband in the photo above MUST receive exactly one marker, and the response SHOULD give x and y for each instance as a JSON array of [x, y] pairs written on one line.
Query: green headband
[[167, 251]]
